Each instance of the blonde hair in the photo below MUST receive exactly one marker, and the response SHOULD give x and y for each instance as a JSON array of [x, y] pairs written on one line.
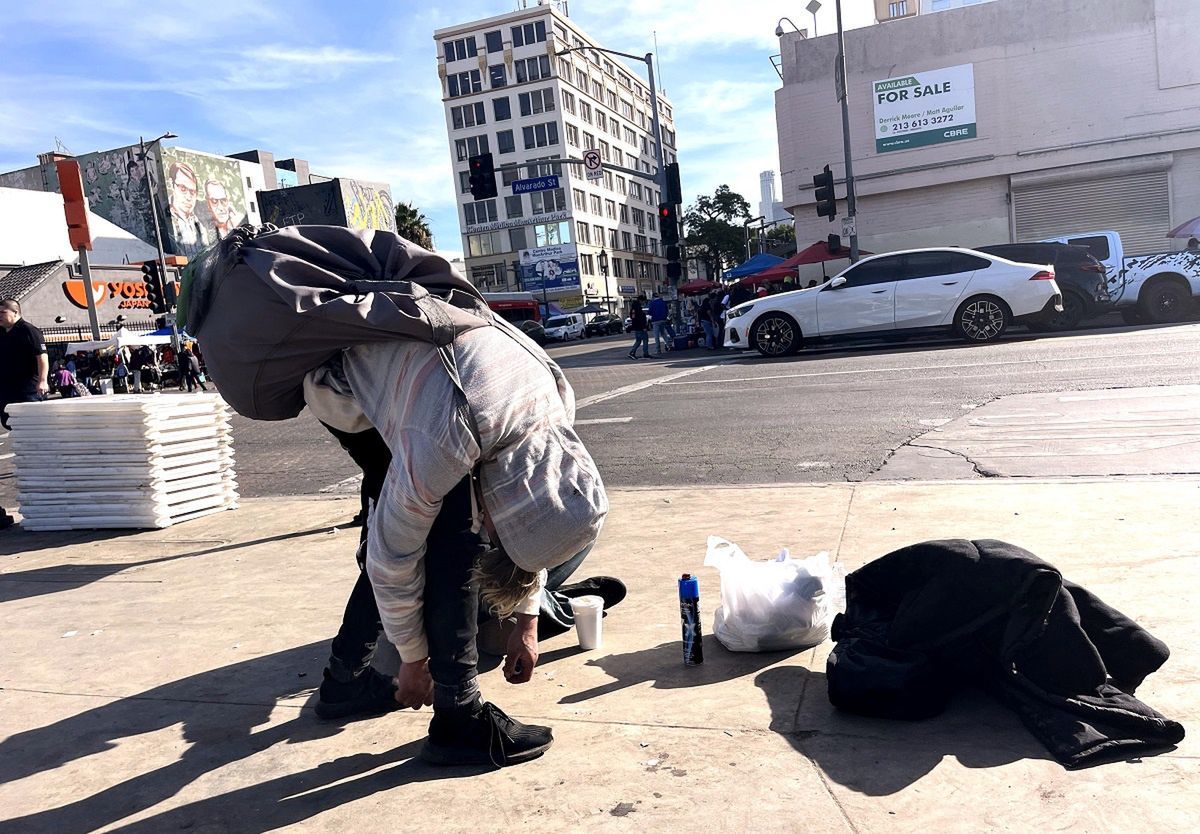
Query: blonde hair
[[502, 585]]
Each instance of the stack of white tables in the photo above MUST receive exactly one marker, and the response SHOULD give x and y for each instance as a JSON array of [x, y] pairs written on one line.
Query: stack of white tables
[[125, 461]]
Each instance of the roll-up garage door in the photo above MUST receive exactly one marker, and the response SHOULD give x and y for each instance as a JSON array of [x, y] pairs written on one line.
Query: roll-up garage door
[[1135, 205]]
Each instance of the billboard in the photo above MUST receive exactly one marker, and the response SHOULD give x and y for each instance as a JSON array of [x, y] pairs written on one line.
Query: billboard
[[355, 204], [550, 267], [924, 108]]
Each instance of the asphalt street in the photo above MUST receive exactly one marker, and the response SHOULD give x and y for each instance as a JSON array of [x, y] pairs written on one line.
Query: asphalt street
[[719, 417]]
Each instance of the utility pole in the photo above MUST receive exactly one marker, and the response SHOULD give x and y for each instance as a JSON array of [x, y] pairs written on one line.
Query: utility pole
[[843, 95]]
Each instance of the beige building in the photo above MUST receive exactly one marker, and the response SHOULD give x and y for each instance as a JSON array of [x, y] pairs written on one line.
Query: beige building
[[507, 93], [1002, 121]]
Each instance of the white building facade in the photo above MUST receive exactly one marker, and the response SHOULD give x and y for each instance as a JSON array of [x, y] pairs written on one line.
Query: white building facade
[[507, 93], [1077, 116]]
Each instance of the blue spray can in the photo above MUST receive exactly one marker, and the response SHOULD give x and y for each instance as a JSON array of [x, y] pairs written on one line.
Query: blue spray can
[[689, 613]]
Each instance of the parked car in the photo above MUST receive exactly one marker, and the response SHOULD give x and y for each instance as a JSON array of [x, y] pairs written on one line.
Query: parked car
[[1155, 288], [603, 324], [1080, 276], [565, 327], [534, 330], [972, 294]]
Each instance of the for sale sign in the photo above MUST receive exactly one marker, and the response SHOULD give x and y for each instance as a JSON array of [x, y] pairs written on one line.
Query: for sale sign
[[924, 108]]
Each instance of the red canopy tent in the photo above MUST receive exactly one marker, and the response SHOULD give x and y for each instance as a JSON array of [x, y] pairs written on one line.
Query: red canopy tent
[[819, 252], [697, 287]]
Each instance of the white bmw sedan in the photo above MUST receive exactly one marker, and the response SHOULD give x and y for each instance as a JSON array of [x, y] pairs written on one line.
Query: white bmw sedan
[[973, 295]]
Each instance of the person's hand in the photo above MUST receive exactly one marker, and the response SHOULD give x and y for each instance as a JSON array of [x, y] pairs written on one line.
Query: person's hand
[[42, 388], [522, 654], [414, 686]]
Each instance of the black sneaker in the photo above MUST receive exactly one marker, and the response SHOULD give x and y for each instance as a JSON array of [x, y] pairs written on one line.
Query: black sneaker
[[6, 521], [486, 736], [371, 693], [608, 588]]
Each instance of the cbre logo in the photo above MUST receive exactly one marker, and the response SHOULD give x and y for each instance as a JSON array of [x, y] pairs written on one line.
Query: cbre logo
[[77, 294]]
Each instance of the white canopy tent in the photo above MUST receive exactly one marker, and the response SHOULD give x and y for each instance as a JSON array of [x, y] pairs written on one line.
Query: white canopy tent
[[122, 338]]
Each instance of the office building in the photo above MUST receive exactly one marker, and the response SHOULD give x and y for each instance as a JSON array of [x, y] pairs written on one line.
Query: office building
[[508, 93]]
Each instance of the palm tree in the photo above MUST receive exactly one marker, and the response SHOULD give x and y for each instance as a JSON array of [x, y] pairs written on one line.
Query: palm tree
[[413, 225]]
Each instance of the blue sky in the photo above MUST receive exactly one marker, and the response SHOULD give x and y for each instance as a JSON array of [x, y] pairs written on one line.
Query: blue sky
[[352, 86]]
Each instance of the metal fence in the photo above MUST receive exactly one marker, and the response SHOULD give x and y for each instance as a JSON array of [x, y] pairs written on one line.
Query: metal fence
[[83, 333]]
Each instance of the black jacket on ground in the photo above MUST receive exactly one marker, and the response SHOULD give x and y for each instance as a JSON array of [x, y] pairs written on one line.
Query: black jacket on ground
[[927, 618]]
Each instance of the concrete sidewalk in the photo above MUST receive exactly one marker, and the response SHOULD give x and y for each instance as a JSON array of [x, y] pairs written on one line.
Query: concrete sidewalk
[[162, 681]]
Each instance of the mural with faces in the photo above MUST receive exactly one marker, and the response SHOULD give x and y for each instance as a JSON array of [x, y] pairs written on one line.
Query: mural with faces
[[205, 199]]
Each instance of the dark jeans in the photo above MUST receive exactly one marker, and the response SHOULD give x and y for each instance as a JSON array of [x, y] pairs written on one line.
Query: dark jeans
[[452, 610]]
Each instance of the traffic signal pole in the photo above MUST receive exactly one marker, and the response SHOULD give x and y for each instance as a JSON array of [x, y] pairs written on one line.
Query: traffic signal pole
[[844, 95]]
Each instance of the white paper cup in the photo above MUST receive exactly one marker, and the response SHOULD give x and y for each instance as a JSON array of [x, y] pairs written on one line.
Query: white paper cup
[[589, 621]]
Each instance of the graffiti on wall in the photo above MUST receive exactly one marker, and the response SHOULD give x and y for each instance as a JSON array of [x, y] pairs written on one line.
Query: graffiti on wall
[[205, 199], [368, 205], [315, 204], [28, 179]]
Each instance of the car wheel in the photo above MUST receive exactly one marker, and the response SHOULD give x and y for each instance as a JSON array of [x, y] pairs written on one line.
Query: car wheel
[[776, 334], [1164, 303], [982, 319], [1072, 313]]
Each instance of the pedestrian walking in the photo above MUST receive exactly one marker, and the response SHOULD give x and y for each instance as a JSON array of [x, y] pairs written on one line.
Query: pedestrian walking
[[659, 315], [64, 380], [189, 366], [704, 313], [637, 323], [24, 368]]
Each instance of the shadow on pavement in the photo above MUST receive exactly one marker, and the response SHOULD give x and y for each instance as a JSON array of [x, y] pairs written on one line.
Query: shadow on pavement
[[663, 667], [52, 579], [878, 757], [219, 711]]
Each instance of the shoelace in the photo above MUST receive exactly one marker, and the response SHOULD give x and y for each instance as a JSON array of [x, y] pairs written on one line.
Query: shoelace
[[497, 735]]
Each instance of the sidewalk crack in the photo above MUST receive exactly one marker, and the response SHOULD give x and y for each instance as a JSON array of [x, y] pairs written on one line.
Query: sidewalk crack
[[978, 467]]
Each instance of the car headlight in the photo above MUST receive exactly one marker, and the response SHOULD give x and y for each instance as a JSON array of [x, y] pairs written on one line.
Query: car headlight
[[739, 311]]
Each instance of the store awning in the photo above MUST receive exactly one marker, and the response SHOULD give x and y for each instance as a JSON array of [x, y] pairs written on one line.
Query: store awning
[[758, 263]]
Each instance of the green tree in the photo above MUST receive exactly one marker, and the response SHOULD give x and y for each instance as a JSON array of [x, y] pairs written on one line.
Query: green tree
[[412, 225], [715, 234]]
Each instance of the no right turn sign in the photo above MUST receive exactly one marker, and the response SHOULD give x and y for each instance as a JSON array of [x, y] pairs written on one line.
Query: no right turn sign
[[592, 164]]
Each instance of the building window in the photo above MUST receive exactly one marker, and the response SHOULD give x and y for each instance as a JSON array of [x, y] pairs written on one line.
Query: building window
[[504, 141], [639, 218], [568, 101], [635, 190], [598, 235], [516, 238], [627, 241], [612, 101], [459, 49], [597, 90], [605, 151], [595, 205], [507, 177], [898, 9], [467, 115], [620, 181], [529, 33], [547, 202], [618, 157], [483, 211], [650, 221], [488, 243], [616, 267], [640, 242], [601, 120], [587, 262], [585, 111], [551, 234], [545, 169], [579, 199], [630, 137], [624, 214], [589, 141], [608, 180], [581, 80], [582, 233], [572, 136], [539, 101], [532, 69], [541, 136], [494, 41], [471, 146], [253, 210], [497, 76], [513, 207], [501, 109], [610, 209], [464, 182], [463, 83]]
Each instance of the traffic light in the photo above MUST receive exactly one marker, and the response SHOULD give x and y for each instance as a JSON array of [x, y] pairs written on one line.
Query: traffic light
[[823, 193], [834, 243], [674, 194], [668, 223], [483, 176], [154, 287]]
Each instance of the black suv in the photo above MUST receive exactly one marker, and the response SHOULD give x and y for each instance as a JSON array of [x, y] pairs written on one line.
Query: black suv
[[1080, 276], [604, 324]]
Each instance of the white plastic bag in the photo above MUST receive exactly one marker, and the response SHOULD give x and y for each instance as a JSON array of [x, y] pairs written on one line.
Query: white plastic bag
[[785, 603]]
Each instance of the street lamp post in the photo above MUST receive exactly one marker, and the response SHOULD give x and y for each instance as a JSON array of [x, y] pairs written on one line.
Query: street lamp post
[[602, 259], [162, 258]]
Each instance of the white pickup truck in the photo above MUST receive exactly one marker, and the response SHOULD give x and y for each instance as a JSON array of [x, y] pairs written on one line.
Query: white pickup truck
[[1146, 288]]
